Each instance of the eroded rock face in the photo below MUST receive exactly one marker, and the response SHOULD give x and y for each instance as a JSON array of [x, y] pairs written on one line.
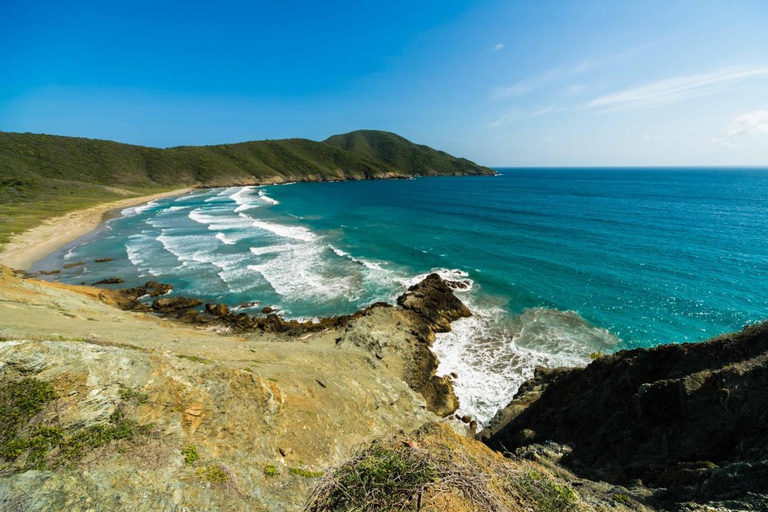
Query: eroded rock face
[[684, 417]]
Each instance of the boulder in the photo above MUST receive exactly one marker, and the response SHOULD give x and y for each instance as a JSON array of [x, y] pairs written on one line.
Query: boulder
[[217, 309]]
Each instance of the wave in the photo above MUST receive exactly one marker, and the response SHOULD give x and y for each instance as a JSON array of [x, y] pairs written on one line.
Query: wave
[[135, 210], [493, 353], [299, 272], [264, 197], [372, 265], [243, 199], [223, 238], [283, 230]]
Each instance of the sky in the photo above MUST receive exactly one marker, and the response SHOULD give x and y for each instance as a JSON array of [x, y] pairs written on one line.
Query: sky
[[504, 83]]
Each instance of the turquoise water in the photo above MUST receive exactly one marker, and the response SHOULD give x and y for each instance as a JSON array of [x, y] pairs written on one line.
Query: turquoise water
[[561, 262]]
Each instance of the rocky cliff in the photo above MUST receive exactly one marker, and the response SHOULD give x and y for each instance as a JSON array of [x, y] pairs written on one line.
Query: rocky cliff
[[688, 421]]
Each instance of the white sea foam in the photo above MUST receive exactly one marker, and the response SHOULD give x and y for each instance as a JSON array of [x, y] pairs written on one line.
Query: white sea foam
[[494, 354], [223, 238], [283, 230], [264, 197], [299, 271], [244, 199], [372, 265], [135, 210]]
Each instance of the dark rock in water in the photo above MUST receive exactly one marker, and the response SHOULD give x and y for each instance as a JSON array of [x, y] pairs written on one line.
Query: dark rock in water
[[692, 418], [76, 264], [217, 309], [103, 260], [454, 375], [433, 300], [49, 272], [466, 418], [109, 280], [168, 305], [268, 309], [155, 289], [249, 305]]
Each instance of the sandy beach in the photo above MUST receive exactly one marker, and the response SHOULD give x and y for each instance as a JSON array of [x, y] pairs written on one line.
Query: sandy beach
[[34, 244]]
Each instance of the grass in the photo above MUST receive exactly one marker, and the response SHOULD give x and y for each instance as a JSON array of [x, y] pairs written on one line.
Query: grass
[[29, 442], [195, 359], [596, 355], [432, 468], [622, 498], [25, 203], [305, 473], [270, 471], [378, 478], [545, 492]]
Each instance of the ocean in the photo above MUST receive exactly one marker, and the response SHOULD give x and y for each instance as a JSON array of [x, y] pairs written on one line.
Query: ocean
[[560, 263]]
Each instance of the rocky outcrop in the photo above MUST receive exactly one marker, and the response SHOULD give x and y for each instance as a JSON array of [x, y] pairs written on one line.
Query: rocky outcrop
[[433, 300], [109, 280], [690, 420], [173, 304]]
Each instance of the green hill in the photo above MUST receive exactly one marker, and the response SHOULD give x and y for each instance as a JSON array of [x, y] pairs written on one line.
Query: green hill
[[47, 175], [404, 155]]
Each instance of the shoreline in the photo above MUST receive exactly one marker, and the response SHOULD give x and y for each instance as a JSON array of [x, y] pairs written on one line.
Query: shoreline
[[34, 244]]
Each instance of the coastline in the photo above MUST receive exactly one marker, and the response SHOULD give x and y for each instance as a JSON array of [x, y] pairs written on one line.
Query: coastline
[[32, 245]]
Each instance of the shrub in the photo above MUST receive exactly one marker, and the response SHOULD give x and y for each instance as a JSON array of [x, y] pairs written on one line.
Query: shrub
[[190, 455]]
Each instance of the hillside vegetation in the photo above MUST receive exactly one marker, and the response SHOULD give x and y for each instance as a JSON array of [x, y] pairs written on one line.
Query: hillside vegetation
[[404, 155], [46, 175]]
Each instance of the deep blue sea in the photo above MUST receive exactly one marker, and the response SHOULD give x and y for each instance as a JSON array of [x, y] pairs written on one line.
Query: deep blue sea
[[561, 262]]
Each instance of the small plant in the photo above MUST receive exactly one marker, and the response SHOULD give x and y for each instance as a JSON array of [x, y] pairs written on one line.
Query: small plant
[[195, 359], [21, 401], [306, 473], [596, 355], [622, 498], [270, 471], [190, 455], [215, 474], [546, 493], [133, 396]]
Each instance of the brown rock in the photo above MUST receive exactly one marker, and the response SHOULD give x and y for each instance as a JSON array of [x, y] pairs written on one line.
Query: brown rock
[[109, 280], [103, 260], [217, 309], [168, 305]]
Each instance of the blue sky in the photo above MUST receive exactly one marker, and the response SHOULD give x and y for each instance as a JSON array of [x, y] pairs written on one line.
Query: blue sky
[[537, 83]]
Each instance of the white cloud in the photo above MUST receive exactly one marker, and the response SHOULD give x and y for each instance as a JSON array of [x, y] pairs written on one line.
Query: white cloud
[[755, 122], [672, 90], [499, 46]]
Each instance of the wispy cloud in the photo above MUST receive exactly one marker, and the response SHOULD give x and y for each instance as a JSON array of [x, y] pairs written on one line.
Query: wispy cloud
[[755, 122], [673, 90], [519, 115], [536, 82], [499, 46]]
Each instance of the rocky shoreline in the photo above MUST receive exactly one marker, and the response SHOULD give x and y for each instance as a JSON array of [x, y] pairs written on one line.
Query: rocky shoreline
[[146, 401]]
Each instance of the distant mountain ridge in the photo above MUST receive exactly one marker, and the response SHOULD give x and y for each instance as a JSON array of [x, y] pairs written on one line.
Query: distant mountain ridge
[[356, 155], [43, 176]]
